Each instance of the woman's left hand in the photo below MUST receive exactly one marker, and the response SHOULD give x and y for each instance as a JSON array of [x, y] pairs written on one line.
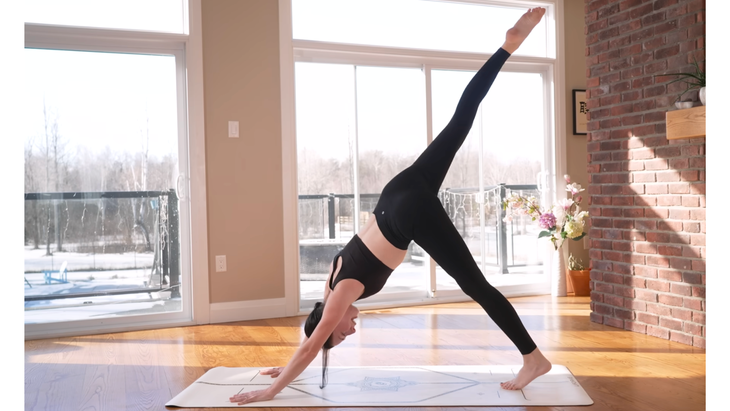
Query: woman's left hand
[[251, 396]]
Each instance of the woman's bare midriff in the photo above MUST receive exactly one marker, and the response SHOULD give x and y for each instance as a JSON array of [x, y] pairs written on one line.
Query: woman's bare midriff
[[374, 240]]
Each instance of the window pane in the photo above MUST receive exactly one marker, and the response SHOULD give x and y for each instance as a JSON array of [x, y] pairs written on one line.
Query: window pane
[[391, 120], [325, 127], [501, 148], [419, 24], [157, 15], [103, 125]]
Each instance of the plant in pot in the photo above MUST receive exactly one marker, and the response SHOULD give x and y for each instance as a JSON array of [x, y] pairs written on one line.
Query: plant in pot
[[579, 277], [694, 79]]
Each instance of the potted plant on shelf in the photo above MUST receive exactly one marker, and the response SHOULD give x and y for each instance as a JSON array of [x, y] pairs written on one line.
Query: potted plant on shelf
[[694, 79], [579, 277], [560, 222]]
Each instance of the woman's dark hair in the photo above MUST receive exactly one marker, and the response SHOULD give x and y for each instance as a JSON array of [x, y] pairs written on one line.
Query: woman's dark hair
[[312, 321]]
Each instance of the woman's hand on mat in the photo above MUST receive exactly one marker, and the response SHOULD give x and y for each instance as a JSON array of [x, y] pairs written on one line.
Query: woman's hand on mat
[[251, 396], [273, 372]]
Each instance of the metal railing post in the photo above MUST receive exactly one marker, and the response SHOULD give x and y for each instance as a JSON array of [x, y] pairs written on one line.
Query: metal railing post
[[502, 228], [331, 214], [173, 219]]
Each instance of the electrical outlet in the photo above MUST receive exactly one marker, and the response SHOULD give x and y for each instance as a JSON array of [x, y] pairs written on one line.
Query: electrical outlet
[[220, 263]]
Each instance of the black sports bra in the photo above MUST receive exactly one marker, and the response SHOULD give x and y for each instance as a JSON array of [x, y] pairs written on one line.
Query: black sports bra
[[359, 263]]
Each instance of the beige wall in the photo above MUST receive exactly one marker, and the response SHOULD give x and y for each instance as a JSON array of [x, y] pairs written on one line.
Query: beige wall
[[575, 78], [244, 177]]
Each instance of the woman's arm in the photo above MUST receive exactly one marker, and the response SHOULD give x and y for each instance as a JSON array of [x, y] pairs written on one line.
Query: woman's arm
[[337, 305]]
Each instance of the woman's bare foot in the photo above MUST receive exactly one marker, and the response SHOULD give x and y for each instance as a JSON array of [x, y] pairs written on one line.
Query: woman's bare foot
[[534, 365], [517, 34]]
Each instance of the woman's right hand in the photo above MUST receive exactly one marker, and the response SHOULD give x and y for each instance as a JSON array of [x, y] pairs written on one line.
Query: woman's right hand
[[251, 396], [273, 372]]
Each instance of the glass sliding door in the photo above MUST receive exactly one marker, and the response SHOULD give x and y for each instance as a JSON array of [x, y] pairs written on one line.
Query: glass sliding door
[[357, 127], [505, 150], [103, 232], [325, 127], [391, 123]]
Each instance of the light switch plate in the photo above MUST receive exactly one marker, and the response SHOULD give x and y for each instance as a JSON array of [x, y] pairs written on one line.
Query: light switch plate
[[233, 129]]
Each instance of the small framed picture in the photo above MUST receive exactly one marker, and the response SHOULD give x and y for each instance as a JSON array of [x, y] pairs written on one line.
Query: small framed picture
[[580, 113]]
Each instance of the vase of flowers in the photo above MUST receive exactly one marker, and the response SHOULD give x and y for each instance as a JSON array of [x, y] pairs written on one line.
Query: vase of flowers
[[560, 222]]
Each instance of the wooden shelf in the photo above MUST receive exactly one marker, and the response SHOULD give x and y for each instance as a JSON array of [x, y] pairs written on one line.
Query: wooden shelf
[[686, 123]]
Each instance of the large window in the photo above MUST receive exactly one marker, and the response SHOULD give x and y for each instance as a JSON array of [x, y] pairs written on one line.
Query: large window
[[107, 222], [368, 101]]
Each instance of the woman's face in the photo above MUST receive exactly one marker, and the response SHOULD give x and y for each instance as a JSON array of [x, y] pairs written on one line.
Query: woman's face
[[346, 326]]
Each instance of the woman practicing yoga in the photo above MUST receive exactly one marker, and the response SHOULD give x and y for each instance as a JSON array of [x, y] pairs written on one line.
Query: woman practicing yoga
[[409, 210]]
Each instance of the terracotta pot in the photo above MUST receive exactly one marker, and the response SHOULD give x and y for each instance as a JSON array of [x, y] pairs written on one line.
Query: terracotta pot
[[580, 282]]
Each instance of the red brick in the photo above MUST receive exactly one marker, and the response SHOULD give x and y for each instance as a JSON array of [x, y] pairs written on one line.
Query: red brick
[[613, 322], [692, 303], [670, 323], [669, 250], [697, 239], [657, 285], [672, 300], [680, 188], [648, 272], [666, 225], [657, 332], [646, 295], [659, 309], [698, 317], [681, 289], [680, 338], [694, 329], [671, 275], [657, 189], [603, 309], [692, 201], [635, 327], [669, 200], [667, 176]]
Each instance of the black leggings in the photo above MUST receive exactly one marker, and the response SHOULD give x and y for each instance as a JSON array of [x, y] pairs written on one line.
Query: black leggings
[[409, 209]]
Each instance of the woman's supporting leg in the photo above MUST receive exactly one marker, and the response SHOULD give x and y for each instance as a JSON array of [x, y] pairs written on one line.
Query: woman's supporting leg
[[436, 234]]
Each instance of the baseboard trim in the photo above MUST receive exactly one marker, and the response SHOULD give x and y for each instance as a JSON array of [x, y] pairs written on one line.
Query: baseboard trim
[[247, 310]]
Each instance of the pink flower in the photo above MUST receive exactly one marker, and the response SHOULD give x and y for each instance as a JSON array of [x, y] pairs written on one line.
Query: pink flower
[[547, 221], [567, 178]]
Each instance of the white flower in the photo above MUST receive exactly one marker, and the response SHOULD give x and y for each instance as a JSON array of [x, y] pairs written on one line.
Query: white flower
[[580, 217], [566, 203], [574, 228], [574, 188]]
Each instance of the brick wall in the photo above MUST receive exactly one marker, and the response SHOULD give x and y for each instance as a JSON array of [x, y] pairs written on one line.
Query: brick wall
[[647, 193]]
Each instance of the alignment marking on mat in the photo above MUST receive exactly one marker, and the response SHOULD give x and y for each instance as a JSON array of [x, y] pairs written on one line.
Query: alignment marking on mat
[[380, 402], [448, 375], [257, 374]]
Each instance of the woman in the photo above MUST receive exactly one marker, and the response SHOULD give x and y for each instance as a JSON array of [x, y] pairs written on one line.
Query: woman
[[409, 210]]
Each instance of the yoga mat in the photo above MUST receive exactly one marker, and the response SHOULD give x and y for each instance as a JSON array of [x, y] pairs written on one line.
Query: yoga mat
[[453, 385]]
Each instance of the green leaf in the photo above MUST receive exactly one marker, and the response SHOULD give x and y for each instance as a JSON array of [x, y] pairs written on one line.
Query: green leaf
[[544, 234], [579, 237]]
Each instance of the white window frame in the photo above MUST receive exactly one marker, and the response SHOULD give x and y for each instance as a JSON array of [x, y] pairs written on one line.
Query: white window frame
[[294, 50], [187, 49]]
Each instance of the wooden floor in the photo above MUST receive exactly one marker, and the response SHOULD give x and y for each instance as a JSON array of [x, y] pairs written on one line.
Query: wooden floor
[[143, 370]]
